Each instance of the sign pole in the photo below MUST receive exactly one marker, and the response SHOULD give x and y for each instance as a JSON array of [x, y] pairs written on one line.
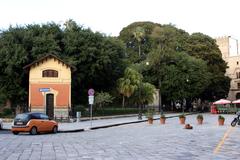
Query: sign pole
[[91, 114], [91, 101]]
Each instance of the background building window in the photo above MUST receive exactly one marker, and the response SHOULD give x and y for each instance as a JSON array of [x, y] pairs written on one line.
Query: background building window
[[238, 85], [238, 75], [49, 73]]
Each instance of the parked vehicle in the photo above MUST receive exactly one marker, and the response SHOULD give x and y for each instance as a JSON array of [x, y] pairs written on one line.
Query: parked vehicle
[[236, 120], [1, 124], [33, 123]]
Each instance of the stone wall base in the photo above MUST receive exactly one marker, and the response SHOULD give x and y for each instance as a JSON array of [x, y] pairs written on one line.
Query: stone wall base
[[58, 113]]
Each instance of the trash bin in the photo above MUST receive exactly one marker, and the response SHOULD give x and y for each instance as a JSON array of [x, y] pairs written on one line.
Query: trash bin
[[78, 116]]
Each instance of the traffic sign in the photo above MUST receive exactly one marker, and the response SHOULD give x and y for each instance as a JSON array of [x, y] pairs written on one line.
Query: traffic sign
[[90, 99], [91, 92], [44, 89]]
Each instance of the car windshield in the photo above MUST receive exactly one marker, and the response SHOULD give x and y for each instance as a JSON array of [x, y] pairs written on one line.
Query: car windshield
[[23, 117]]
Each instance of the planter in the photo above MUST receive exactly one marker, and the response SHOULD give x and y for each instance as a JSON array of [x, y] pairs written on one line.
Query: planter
[[220, 122], [200, 121], [162, 120], [150, 120], [182, 120]]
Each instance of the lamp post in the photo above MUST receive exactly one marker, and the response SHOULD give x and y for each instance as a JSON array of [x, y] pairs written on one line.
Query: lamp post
[[140, 105], [140, 91], [160, 98], [183, 106]]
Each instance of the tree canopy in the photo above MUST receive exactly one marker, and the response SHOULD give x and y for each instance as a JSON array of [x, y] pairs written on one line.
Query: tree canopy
[[196, 58], [180, 64], [99, 59]]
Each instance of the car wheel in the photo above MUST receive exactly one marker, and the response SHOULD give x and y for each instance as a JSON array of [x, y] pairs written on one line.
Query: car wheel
[[33, 131], [15, 133], [1, 127], [55, 129]]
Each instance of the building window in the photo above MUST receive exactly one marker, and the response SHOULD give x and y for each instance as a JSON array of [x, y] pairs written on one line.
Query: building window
[[238, 85], [237, 62], [49, 73], [238, 75]]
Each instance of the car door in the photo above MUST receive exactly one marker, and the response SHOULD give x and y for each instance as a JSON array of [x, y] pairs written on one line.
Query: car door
[[45, 122], [36, 121]]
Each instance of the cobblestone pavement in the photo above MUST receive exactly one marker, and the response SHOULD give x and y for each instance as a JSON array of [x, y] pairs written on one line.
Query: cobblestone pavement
[[139, 141]]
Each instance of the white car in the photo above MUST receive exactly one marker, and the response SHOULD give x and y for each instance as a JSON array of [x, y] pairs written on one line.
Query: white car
[[1, 124]]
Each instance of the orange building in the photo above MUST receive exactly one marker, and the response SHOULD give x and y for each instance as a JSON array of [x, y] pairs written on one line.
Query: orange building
[[50, 86]]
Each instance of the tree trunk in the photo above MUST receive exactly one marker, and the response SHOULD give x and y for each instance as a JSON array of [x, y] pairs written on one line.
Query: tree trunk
[[8, 103], [123, 102]]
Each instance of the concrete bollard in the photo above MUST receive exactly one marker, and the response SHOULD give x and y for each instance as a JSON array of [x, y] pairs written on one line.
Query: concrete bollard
[[78, 116]]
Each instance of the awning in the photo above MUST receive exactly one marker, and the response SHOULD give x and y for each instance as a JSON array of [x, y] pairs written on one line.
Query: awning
[[222, 101], [236, 101]]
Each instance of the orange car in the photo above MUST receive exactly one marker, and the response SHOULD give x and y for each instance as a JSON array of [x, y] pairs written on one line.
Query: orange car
[[33, 123]]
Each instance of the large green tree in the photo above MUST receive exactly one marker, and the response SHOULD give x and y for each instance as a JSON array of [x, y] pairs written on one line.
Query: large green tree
[[161, 40], [20, 46], [99, 59], [204, 47], [178, 75]]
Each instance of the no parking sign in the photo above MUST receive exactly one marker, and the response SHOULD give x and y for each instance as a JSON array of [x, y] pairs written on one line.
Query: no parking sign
[[91, 96]]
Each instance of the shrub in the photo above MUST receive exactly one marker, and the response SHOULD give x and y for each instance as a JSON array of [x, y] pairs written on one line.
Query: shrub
[[7, 111], [113, 111], [221, 117], [200, 116], [181, 116], [162, 116], [79, 108], [150, 112]]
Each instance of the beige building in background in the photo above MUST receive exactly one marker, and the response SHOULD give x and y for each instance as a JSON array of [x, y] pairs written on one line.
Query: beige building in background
[[50, 86], [229, 47]]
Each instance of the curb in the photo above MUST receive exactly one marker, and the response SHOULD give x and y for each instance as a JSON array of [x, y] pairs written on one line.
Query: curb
[[107, 117], [118, 124]]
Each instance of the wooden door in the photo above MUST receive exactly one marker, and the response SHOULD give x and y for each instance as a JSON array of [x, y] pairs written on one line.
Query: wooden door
[[50, 105]]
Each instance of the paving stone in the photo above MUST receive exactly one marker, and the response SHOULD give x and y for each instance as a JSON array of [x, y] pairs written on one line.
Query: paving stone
[[138, 141]]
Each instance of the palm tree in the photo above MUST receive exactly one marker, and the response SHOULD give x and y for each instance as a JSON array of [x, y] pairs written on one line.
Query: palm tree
[[129, 83], [139, 34], [147, 95], [144, 94]]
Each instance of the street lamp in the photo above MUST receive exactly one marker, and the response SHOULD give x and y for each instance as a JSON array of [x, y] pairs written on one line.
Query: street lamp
[[140, 91], [160, 97], [183, 106]]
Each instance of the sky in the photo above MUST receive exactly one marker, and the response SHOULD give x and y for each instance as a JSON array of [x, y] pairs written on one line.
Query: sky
[[212, 17]]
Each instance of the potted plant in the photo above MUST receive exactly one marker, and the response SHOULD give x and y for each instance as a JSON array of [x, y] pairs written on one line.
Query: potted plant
[[162, 119], [200, 119], [149, 115], [182, 119], [221, 120]]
